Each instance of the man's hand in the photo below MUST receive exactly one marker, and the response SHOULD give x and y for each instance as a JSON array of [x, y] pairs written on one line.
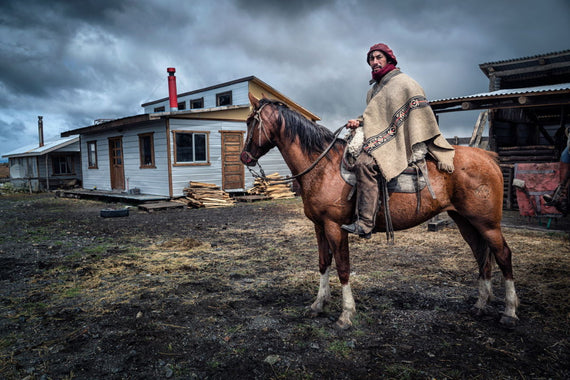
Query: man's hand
[[353, 124]]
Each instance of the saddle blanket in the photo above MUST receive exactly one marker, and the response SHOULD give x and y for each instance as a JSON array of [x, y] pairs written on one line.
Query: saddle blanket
[[409, 181]]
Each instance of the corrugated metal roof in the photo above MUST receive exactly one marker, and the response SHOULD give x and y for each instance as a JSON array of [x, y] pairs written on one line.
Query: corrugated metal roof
[[525, 58], [35, 150], [512, 91]]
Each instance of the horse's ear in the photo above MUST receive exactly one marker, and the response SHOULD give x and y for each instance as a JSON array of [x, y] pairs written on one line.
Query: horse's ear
[[253, 100]]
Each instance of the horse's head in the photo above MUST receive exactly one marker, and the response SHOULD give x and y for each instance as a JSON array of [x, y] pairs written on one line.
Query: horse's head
[[260, 126]]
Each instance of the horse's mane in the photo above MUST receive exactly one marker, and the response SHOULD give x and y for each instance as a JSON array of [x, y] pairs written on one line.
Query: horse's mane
[[313, 137]]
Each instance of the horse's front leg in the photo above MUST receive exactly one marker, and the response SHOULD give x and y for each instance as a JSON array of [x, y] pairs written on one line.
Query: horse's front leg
[[338, 243], [325, 260]]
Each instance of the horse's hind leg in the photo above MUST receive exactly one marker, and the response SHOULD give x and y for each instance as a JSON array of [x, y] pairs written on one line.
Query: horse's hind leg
[[503, 257], [484, 244]]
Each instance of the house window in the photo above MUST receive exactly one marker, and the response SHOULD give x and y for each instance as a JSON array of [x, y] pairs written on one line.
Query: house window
[[191, 147], [181, 106], [92, 154], [146, 149], [62, 165], [159, 109], [197, 103], [224, 99]]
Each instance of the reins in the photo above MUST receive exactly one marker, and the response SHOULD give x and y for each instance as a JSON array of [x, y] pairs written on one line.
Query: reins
[[275, 181]]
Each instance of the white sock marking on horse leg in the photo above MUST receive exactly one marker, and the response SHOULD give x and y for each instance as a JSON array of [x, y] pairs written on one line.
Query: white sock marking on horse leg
[[511, 299], [348, 307], [485, 293], [490, 295], [324, 294]]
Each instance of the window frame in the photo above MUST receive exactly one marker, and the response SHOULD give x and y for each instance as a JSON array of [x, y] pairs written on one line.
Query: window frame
[[69, 163], [182, 105], [220, 95], [191, 163], [160, 109], [152, 164], [192, 103], [95, 164]]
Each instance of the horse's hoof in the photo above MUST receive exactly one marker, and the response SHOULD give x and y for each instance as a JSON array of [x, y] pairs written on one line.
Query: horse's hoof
[[508, 321], [312, 313], [478, 312], [343, 325]]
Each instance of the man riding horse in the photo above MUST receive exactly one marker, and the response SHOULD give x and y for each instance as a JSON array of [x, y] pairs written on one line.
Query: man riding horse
[[398, 128]]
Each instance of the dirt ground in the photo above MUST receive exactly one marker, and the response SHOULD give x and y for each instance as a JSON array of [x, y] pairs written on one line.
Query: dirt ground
[[223, 294]]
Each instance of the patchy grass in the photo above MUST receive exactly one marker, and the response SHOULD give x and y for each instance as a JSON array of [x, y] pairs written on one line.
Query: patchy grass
[[224, 293]]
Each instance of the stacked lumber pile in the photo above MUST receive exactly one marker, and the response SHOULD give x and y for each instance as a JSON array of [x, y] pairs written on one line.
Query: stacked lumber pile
[[535, 153], [270, 189], [200, 194]]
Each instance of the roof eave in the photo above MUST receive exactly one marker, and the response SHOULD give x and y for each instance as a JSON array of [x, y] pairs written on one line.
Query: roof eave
[[42, 152], [126, 121]]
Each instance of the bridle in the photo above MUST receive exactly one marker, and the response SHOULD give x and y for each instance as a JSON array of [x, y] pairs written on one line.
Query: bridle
[[257, 117]]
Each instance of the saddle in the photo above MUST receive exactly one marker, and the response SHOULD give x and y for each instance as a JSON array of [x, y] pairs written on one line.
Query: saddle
[[412, 180]]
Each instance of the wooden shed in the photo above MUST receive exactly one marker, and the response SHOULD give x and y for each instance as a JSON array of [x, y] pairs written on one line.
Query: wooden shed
[[55, 164], [528, 106], [192, 136]]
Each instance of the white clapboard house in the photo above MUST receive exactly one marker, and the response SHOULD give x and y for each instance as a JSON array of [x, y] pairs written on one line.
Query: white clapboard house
[[192, 136]]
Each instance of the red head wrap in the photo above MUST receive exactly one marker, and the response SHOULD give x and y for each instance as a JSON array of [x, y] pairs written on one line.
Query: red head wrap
[[384, 49]]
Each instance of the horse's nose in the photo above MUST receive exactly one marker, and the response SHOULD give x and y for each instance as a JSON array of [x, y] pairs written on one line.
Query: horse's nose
[[247, 159]]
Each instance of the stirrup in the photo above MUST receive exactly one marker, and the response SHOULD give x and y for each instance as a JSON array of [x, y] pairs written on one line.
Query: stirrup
[[355, 228]]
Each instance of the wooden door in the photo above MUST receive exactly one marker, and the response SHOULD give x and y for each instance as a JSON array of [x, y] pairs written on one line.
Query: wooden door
[[233, 171], [116, 163]]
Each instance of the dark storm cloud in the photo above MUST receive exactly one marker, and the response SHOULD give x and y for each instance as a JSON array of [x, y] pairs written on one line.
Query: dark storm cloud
[[75, 61], [291, 8], [36, 34]]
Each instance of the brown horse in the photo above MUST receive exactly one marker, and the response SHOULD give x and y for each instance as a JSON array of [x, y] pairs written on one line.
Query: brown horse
[[472, 195]]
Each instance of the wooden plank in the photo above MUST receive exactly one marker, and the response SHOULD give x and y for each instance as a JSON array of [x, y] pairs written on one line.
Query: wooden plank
[[478, 130], [437, 224], [527, 152], [149, 207], [251, 198], [527, 159], [537, 147]]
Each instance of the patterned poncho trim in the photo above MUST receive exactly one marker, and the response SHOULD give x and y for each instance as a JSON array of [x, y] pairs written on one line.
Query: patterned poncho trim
[[399, 118]]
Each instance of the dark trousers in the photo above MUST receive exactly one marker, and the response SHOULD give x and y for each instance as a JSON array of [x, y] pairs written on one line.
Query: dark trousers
[[367, 193]]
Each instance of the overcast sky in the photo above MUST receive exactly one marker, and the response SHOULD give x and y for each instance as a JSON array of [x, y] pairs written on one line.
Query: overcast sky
[[76, 61]]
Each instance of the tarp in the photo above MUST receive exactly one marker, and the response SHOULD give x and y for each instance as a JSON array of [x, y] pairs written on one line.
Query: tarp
[[539, 179]]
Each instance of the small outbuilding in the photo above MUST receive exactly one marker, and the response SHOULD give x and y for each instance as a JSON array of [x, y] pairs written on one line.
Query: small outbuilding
[[527, 108], [46, 166], [192, 136]]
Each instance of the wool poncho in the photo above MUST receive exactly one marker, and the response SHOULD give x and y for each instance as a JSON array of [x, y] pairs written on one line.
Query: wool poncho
[[397, 117]]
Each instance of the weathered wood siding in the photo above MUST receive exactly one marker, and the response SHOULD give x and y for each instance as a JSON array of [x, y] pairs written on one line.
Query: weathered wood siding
[[148, 180], [239, 97], [23, 167], [212, 173], [155, 181]]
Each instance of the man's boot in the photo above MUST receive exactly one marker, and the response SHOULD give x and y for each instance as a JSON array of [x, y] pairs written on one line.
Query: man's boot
[[367, 195]]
